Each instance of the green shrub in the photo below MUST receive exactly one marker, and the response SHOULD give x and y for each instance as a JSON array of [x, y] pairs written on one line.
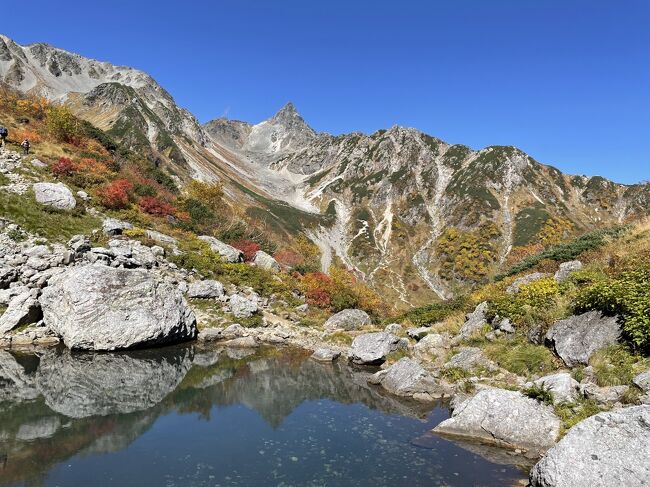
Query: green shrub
[[567, 251], [520, 357], [626, 294], [431, 313], [572, 413], [616, 365], [537, 303], [540, 393]]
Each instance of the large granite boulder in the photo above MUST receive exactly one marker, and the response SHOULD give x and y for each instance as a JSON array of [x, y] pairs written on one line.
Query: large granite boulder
[[406, 378], [348, 319], [504, 418], [265, 261], [55, 195], [606, 449], [576, 338], [372, 348], [206, 289], [96, 307], [324, 354], [228, 252]]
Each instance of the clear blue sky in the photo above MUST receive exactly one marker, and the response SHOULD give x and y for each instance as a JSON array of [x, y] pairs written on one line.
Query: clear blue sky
[[568, 81]]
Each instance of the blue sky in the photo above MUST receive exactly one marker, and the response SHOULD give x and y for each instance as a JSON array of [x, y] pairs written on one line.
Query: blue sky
[[568, 81]]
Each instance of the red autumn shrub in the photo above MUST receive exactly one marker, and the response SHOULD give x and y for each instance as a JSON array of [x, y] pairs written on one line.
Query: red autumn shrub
[[115, 195], [64, 167], [318, 297], [154, 206], [248, 247]]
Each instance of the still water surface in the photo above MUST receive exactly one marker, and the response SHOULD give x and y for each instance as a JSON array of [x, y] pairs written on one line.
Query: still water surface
[[186, 416]]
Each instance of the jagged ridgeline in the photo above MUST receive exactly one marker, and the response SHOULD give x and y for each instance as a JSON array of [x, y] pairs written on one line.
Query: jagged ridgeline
[[416, 217]]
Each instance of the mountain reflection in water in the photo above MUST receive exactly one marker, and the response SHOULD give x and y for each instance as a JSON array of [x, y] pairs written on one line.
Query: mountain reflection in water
[[195, 416]]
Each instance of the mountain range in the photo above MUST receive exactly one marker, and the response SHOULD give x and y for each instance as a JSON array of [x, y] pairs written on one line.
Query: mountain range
[[414, 216]]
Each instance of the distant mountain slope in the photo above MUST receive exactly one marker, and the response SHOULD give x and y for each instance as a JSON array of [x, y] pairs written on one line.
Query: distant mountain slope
[[416, 217], [415, 214]]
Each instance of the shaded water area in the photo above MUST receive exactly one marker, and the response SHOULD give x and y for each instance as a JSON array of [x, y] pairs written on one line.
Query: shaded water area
[[188, 416]]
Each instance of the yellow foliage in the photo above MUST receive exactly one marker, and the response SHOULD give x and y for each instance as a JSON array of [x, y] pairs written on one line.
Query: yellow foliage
[[210, 194], [554, 231]]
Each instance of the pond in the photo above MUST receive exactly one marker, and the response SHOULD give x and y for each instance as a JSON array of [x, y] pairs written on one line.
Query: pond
[[190, 416]]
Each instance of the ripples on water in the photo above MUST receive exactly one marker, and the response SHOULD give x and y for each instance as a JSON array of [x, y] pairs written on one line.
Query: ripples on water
[[186, 416]]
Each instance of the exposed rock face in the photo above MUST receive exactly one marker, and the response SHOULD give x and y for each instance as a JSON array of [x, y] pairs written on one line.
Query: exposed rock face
[[642, 381], [577, 337], [474, 321], [348, 319], [407, 378], [603, 395], [606, 449], [504, 418], [265, 261], [566, 268], [82, 385], [206, 289], [55, 195], [562, 385], [97, 307], [23, 309], [229, 253], [372, 348], [469, 359], [242, 307], [433, 341], [112, 226]]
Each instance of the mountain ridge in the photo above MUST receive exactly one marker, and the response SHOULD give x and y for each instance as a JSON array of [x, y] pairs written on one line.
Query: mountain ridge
[[414, 215]]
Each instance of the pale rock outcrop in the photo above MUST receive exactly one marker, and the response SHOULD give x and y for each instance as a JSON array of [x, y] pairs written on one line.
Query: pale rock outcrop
[[348, 319], [407, 378], [22, 310], [206, 289], [563, 387], [113, 226], [325, 354], [228, 252], [474, 322], [566, 268], [265, 261], [470, 359], [242, 307], [504, 418], [608, 449], [96, 307], [55, 195], [642, 381], [576, 338], [372, 348]]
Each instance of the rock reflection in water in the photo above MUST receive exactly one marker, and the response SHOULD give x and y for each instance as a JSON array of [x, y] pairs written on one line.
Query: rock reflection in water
[[86, 409]]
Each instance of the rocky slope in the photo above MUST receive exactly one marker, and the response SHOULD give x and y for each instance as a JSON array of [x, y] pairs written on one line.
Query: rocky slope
[[397, 194]]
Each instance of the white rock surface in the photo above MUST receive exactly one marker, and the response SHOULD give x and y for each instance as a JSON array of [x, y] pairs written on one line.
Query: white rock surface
[[55, 195]]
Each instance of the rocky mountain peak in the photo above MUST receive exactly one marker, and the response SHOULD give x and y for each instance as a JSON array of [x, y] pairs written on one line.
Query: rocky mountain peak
[[289, 118]]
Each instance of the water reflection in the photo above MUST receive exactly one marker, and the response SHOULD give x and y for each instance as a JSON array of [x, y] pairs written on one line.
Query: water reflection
[[88, 411]]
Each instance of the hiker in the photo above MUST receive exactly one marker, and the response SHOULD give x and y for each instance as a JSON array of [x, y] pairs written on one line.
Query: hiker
[[25, 146], [3, 135]]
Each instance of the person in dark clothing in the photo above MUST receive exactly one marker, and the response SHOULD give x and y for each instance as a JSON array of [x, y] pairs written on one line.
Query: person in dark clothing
[[25, 145], [3, 136]]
